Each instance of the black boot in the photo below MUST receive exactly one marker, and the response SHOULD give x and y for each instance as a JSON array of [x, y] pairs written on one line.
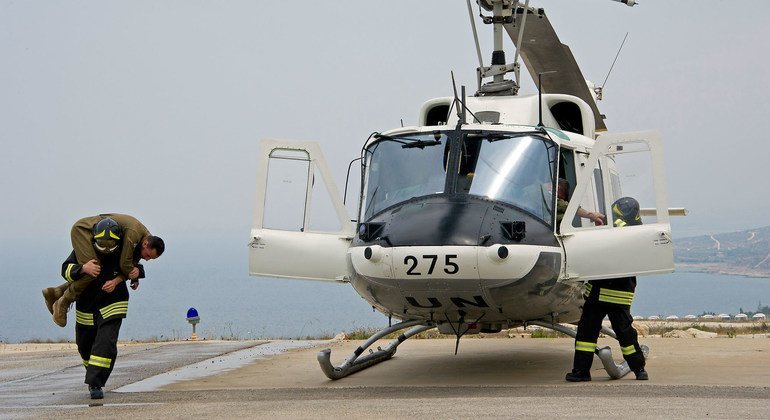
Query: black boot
[[641, 375], [578, 376], [96, 392]]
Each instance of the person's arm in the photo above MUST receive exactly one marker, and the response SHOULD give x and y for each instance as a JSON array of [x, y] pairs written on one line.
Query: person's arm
[[110, 285], [595, 217], [70, 269]]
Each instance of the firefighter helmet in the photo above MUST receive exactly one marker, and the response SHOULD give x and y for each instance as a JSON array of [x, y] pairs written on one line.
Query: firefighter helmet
[[107, 235], [626, 212]]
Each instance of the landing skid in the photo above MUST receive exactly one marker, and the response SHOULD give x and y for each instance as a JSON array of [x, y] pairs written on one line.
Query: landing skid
[[353, 363], [615, 370]]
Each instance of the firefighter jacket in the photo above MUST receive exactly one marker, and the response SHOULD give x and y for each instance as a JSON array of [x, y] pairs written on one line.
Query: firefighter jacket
[[619, 291], [94, 303]]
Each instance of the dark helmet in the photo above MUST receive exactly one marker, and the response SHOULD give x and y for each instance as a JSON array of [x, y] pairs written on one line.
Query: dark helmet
[[107, 235], [625, 211]]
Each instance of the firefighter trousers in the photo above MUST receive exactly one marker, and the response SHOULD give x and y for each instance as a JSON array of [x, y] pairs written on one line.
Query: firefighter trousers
[[98, 347], [588, 332]]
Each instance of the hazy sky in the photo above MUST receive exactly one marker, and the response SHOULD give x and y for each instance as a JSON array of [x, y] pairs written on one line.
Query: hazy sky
[[156, 108]]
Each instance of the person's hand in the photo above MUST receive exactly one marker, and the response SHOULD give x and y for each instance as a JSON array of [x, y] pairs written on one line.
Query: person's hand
[[92, 268], [134, 284], [134, 275], [597, 218], [109, 285]]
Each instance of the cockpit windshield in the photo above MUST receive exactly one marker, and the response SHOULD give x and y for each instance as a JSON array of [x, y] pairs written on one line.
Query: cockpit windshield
[[402, 167], [515, 168]]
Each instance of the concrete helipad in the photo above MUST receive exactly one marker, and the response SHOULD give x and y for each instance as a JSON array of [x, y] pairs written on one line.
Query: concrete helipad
[[513, 377]]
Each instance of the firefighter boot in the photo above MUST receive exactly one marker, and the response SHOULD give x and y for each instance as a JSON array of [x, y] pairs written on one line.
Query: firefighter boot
[[578, 376], [60, 308], [51, 295], [96, 392], [641, 375]]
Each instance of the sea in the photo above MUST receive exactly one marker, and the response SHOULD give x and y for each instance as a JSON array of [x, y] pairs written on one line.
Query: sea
[[233, 305]]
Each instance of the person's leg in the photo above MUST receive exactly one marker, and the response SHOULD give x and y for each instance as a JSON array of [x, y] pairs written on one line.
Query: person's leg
[[52, 294], [81, 238], [585, 342], [621, 320], [101, 361], [84, 338]]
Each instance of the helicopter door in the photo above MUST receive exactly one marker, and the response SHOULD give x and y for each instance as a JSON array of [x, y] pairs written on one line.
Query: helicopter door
[[620, 165], [299, 231]]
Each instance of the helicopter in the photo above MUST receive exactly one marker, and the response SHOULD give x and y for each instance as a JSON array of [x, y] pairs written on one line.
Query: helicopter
[[458, 225]]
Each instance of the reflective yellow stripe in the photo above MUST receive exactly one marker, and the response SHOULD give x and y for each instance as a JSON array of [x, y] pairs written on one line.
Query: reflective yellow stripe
[[99, 361], [619, 301], [589, 286], [84, 318], [85, 363], [117, 308], [616, 296], [100, 234], [68, 273], [585, 346], [114, 236], [616, 293], [628, 350], [620, 223]]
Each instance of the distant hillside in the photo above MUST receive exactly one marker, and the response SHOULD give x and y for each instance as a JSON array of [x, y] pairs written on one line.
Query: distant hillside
[[745, 253]]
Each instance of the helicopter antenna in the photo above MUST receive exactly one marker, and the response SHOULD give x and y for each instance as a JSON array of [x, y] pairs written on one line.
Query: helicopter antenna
[[460, 102], [540, 96], [600, 89]]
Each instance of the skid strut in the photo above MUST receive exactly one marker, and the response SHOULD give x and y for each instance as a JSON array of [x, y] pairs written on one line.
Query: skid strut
[[615, 370], [353, 363]]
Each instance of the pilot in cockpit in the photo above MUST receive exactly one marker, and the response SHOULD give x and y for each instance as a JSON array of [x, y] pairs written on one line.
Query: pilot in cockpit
[[562, 189]]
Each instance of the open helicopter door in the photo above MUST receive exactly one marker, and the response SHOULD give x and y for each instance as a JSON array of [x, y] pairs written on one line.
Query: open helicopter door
[[620, 165], [299, 231]]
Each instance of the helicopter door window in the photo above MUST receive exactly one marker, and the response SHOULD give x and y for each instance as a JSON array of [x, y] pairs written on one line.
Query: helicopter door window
[[630, 171], [321, 216], [592, 199], [286, 192], [624, 171]]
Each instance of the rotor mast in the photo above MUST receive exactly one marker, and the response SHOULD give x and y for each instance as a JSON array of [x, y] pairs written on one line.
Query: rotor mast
[[502, 13]]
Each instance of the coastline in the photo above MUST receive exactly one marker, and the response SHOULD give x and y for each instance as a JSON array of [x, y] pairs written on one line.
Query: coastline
[[720, 270]]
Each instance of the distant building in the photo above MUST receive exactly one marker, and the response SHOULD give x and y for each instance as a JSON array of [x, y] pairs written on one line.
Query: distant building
[[672, 318], [723, 317], [688, 317], [741, 317], [638, 317], [708, 317], [654, 318], [759, 317]]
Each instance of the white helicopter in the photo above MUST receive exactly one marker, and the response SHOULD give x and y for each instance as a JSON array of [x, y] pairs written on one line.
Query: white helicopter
[[457, 217]]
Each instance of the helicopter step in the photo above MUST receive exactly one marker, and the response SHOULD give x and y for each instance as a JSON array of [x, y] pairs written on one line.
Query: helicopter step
[[615, 370]]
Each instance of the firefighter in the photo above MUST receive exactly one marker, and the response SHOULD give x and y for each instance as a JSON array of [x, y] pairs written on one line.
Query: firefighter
[[99, 313], [611, 298], [95, 236]]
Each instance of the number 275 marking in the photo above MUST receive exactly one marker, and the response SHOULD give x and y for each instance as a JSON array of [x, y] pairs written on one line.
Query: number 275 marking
[[450, 267]]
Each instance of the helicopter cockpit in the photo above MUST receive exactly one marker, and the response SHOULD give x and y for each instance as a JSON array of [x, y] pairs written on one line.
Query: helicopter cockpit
[[514, 168]]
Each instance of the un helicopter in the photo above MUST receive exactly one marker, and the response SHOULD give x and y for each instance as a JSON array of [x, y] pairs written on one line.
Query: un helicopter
[[457, 216]]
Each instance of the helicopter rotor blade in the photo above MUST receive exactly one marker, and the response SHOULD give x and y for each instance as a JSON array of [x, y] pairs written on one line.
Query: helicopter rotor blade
[[542, 52]]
